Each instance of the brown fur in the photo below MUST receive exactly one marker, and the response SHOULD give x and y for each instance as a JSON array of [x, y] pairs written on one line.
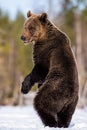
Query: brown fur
[[54, 70]]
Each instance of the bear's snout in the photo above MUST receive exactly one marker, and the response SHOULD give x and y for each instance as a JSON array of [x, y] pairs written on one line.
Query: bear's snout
[[23, 38]]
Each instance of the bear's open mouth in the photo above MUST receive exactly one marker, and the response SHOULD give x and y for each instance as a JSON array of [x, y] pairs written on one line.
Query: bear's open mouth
[[26, 41]]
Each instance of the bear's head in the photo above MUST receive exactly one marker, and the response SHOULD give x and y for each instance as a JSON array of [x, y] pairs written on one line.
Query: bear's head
[[34, 28]]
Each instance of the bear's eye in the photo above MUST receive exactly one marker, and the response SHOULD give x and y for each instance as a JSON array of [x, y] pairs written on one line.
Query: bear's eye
[[31, 29], [25, 28]]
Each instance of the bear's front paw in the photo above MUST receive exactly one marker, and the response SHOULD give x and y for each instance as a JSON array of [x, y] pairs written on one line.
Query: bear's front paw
[[26, 86]]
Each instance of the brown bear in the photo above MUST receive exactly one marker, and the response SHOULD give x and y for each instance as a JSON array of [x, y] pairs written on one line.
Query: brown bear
[[54, 70]]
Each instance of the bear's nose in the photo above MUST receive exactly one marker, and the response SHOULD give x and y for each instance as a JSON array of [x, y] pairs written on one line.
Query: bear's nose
[[23, 38]]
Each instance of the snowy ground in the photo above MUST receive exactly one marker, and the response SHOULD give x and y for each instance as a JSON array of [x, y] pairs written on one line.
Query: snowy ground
[[25, 118]]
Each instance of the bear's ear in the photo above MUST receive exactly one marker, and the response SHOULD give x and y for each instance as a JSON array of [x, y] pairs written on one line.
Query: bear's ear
[[43, 17], [29, 14]]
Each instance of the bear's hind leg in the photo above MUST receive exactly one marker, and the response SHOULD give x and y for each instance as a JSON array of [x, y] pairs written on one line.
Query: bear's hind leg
[[65, 116], [63, 120], [47, 119]]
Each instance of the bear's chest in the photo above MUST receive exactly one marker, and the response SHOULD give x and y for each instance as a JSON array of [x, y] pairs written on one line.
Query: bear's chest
[[41, 54]]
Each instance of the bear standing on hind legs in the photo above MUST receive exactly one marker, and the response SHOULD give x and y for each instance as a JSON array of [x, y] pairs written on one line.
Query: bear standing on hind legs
[[54, 70]]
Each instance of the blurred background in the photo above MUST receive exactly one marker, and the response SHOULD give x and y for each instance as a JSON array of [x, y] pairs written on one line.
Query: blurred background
[[16, 58]]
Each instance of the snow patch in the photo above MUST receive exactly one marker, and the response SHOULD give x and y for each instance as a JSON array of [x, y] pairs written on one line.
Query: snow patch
[[26, 118]]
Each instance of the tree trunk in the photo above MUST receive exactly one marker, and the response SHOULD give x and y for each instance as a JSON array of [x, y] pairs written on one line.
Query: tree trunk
[[78, 52], [12, 64]]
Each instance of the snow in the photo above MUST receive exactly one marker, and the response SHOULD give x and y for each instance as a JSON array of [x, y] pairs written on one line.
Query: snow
[[26, 118]]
